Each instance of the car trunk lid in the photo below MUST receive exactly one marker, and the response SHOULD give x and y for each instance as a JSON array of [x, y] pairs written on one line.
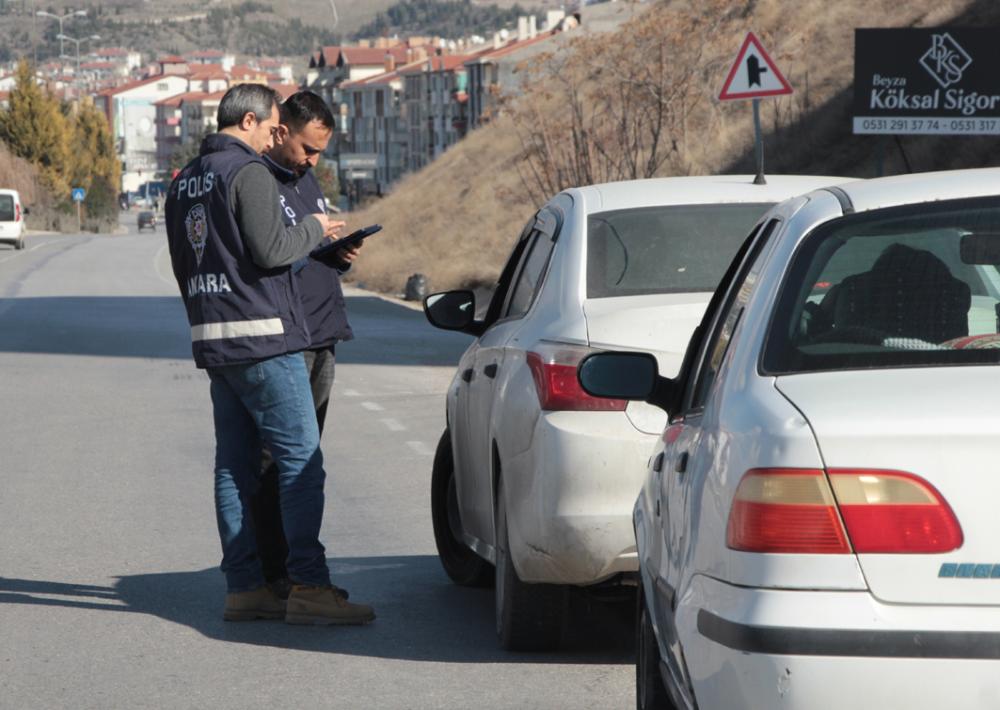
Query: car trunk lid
[[941, 425]]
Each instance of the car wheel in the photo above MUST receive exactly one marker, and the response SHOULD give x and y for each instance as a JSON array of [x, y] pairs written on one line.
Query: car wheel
[[20, 244], [650, 693], [529, 616], [463, 565]]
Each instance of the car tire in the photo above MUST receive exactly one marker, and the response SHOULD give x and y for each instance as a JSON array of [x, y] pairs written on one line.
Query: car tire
[[20, 244], [529, 617], [461, 564], [650, 693]]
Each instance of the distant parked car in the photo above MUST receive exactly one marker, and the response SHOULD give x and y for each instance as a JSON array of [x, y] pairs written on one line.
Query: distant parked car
[[146, 219], [532, 474], [817, 528], [12, 218]]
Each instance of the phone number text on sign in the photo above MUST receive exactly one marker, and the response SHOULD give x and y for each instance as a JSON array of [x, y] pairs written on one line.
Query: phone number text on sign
[[910, 124]]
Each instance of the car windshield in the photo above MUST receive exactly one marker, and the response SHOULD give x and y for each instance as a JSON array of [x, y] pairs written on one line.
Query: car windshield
[[6, 208], [668, 249], [901, 287]]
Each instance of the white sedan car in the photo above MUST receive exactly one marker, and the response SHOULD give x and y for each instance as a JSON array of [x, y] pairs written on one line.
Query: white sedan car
[[533, 475], [817, 528]]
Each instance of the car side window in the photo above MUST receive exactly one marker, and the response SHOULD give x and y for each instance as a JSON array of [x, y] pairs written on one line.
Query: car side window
[[507, 275], [724, 323], [530, 277]]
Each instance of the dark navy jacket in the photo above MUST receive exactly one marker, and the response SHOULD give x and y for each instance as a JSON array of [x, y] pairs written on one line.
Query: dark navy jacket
[[238, 311], [318, 283]]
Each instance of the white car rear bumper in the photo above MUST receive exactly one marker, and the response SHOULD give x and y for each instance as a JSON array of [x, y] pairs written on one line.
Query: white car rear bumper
[[765, 648], [571, 498]]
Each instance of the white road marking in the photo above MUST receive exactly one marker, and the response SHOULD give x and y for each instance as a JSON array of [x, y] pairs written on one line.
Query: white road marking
[[352, 393], [14, 255], [394, 425], [420, 448], [372, 406]]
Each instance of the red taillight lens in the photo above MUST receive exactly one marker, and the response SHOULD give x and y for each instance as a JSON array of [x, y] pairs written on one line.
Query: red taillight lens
[[894, 512], [17, 213], [553, 367], [785, 510]]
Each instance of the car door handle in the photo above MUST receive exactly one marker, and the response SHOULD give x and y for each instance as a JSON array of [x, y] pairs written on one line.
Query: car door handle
[[467, 375], [682, 463], [491, 370]]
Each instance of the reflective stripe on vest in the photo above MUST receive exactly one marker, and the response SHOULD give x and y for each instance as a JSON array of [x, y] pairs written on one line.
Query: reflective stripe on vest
[[237, 329]]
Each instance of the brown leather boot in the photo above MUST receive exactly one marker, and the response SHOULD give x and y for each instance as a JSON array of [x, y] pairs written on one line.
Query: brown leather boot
[[324, 605], [260, 603]]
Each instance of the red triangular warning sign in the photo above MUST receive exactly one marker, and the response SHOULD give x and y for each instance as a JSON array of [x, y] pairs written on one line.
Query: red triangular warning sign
[[754, 75]]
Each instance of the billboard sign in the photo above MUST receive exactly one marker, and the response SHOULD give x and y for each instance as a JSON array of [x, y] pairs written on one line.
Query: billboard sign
[[926, 81]]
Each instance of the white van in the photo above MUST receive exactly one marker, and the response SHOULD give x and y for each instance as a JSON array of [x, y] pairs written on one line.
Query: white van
[[11, 219]]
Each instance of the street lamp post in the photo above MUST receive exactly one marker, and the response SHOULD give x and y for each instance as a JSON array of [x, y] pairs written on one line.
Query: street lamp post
[[78, 42], [60, 19]]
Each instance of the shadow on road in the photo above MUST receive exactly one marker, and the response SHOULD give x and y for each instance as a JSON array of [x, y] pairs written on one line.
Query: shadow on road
[[386, 333], [421, 615]]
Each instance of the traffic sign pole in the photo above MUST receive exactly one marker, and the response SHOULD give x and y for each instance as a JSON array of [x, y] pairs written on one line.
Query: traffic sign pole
[[79, 227], [758, 144]]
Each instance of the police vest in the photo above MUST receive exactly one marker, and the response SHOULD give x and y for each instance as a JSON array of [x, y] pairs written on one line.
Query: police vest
[[318, 282], [238, 311]]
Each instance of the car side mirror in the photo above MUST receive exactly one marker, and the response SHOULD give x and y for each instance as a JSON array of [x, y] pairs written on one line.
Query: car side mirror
[[633, 376], [453, 310], [26, 211]]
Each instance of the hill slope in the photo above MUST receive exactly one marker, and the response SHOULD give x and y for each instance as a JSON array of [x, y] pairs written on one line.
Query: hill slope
[[456, 220]]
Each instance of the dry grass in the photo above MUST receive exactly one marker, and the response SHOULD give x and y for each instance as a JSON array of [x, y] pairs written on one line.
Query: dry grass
[[20, 175], [455, 220]]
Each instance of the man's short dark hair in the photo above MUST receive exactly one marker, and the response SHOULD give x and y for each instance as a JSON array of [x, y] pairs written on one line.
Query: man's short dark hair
[[243, 99], [304, 107]]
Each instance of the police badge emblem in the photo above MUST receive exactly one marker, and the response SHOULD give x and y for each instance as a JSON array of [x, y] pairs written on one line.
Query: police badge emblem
[[196, 225]]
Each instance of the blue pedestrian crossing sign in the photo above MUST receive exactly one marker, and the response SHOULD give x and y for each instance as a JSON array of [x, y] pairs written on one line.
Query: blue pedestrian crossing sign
[[78, 194]]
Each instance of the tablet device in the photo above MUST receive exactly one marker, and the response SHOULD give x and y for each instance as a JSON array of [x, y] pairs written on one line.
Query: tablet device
[[354, 238]]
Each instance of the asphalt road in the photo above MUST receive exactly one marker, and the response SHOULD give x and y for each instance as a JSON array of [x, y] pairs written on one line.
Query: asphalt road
[[110, 596]]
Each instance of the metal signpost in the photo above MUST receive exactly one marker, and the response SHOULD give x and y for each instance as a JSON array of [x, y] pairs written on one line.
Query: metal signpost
[[78, 196], [754, 76]]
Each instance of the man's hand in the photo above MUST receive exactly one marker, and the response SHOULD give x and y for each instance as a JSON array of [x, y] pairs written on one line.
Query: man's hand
[[331, 227], [347, 255]]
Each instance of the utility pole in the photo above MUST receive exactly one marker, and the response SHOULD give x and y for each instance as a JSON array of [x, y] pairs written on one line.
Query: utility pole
[[78, 42]]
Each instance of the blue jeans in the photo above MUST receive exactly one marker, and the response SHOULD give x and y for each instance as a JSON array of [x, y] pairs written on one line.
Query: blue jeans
[[268, 403]]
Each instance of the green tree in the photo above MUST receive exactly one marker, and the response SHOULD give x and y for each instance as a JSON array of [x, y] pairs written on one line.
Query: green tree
[[326, 175], [35, 129], [95, 164], [186, 152], [94, 148]]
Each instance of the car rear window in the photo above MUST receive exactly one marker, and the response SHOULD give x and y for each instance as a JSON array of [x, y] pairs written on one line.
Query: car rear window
[[669, 249], [902, 287], [6, 208]]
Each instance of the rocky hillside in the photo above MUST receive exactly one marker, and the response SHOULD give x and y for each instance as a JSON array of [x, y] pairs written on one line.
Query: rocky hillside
[[456, 220]]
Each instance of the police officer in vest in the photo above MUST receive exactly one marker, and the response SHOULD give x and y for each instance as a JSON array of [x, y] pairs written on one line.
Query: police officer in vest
[[303, 134], [231, 255]]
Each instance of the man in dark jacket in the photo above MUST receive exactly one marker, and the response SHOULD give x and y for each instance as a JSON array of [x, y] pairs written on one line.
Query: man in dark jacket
[[231, 254], [306, 126]]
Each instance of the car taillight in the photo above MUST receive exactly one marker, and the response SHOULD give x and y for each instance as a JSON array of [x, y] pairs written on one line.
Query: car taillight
[[553, 367], [17, 213], [785, 510], [894, 512], [796, 510]]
